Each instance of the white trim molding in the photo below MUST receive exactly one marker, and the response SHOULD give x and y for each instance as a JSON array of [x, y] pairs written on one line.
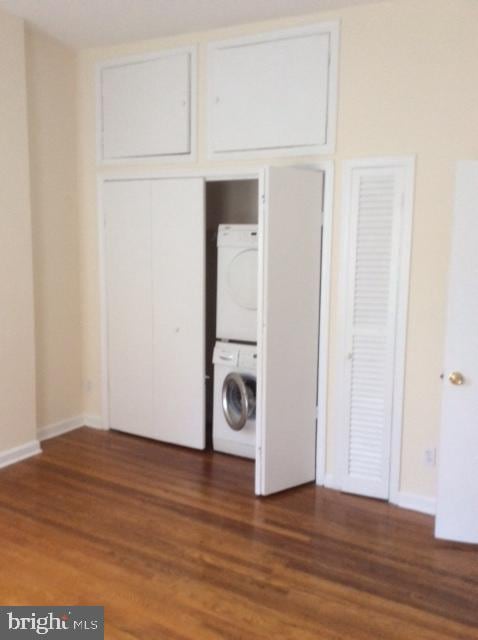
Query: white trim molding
[[324, 321], [70, 424], [16, 454], [330, 482], [408, 164], [59, 428], [94, 422], [412, 501], [415, 502]]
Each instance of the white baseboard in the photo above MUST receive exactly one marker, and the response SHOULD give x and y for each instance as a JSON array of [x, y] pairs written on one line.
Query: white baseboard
[[415, 502], [10, 456], [330, 482], [95, 422], [58, 428], [64, 426]]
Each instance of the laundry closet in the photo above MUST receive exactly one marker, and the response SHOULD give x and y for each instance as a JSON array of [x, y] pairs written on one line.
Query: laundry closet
[[231, 315], [211, 280]]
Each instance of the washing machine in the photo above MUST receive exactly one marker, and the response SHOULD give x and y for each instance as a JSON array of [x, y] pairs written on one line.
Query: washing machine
[[234, 425], [237, 276]]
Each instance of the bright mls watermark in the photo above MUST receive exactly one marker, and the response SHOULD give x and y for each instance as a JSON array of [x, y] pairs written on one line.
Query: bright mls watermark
[[54, 622]]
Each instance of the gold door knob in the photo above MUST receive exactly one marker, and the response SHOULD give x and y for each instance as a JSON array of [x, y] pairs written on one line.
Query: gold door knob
[[456, 377]]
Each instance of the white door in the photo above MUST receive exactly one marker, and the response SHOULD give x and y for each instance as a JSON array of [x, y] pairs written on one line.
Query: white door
[[178, 245], [127, 216], [288, 345], [457, 501], [369, 391]]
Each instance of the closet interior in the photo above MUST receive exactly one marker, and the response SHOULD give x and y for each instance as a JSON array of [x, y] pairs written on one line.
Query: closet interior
[[231, 203]]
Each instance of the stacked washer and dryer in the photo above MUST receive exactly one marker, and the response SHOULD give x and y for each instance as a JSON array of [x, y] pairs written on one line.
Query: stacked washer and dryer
[[235, 351]]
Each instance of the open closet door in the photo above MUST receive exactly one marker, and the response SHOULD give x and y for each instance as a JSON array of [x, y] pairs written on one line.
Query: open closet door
[[287, 385], [178, 284]]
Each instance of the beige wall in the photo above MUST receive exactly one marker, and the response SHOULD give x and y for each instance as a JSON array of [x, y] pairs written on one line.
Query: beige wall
[[406, 86], [17, 355], [51, 84]]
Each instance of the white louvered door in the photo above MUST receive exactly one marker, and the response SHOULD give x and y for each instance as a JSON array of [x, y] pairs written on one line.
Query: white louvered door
[[375, 220]]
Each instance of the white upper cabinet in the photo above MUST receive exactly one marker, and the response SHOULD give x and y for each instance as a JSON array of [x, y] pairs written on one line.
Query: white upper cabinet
[[274, 93], [146, 107]]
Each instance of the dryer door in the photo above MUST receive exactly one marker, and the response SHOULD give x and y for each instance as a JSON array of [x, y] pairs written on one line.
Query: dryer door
[[237, 275], [242, 279]]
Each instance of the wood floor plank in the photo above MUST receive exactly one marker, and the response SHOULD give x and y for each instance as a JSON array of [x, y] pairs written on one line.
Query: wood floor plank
[[175, 546]]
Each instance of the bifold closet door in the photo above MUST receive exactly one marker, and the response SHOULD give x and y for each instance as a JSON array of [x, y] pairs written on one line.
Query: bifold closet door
[[128, 260], [374, 216], [178, 280], [287, 386]]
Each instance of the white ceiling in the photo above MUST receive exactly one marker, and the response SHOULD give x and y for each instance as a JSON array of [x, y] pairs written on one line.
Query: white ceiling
[[91, 23]]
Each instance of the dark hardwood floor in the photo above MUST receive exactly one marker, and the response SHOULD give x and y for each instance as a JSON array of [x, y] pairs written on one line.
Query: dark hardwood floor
[[175, 546]]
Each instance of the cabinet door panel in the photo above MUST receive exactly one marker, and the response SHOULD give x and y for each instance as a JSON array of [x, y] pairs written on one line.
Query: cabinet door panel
[[270, 94], [146, 107], [178, 229]]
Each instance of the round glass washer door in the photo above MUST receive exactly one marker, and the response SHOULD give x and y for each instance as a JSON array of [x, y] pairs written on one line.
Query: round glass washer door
[[242, 279], [238, 399]]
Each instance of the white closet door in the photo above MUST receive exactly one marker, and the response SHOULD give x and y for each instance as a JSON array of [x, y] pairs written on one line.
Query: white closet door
[[457, 495], [127, 212], [178, 229], [374, 213], [290, 315]]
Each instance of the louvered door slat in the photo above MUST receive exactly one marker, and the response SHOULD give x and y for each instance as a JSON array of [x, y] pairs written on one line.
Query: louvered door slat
[[373, 254]]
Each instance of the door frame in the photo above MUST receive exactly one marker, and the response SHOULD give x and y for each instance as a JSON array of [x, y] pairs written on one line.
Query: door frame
[[407, 163], [222, 174], [328, 169]]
